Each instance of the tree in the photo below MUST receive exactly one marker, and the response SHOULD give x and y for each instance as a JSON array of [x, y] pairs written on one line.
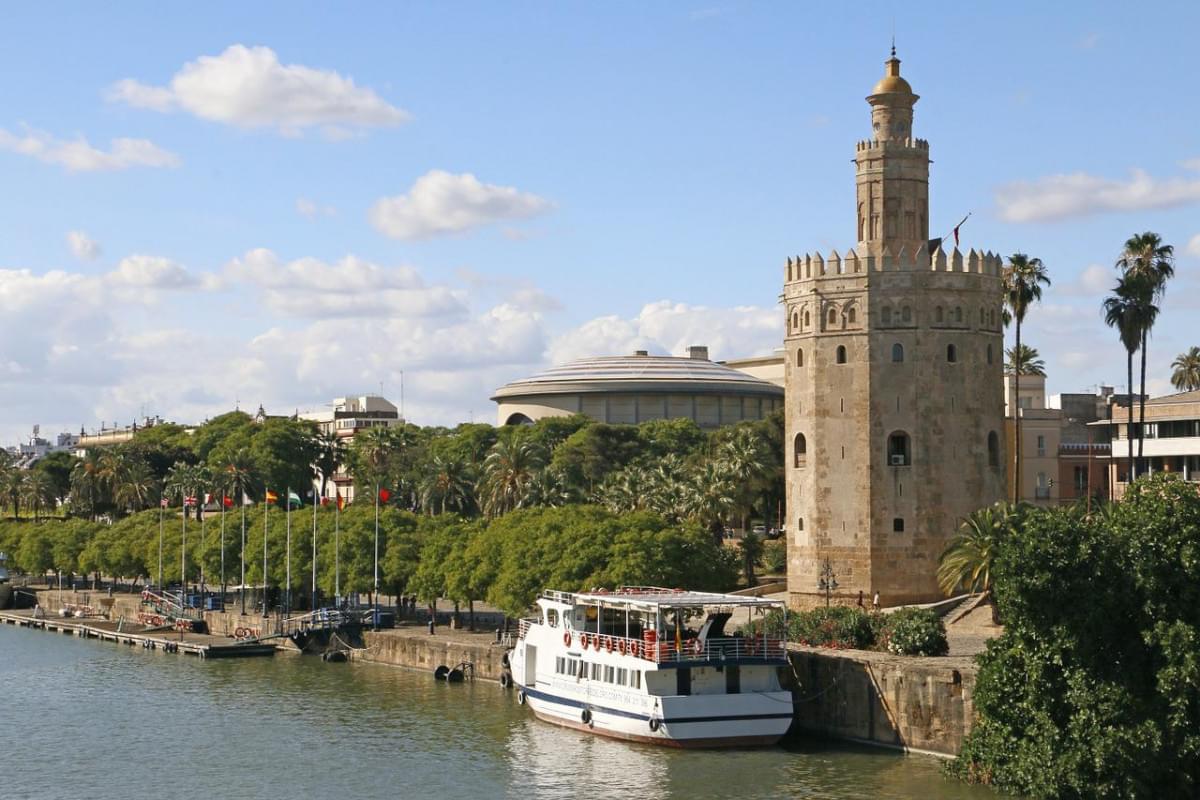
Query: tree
[[1125, 309], [508, 472], [752, 551], [966, 562], [1186, 366], [1023, 280], [283, 451], [1026, 361], [1147, 258], [745, 461], [135, 487], [710, 497], [592, 452], [57, 467], [331, 453], [87, 482], [38, 491], [447, 485]]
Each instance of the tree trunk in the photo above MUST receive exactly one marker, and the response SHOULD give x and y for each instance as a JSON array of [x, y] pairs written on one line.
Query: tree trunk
[[1142, 401], [1017, 418], [1129, 425]]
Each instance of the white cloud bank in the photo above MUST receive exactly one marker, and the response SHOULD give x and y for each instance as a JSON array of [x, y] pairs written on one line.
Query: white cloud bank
[[248, 87], [1193, 246], [443, 203], [82, 246], [1058, 197], [78, 155]]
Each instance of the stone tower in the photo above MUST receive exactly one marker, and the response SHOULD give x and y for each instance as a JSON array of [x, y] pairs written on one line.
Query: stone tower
[[894, 405]]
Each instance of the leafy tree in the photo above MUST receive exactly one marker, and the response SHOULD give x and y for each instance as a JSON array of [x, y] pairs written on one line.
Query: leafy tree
[[236, 427], [966, 562], [680, 437], [1186, 366], [34, 553], [331, 453], [592, 452], [283, 451], [1023, 280], [744, 460], [87, 482], [57, 468], [38, 492], [1146, 258], [508, 473], [447, 485], [1026, 361]]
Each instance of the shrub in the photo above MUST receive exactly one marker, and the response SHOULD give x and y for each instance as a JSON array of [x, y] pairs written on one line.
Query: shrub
[[774, 557], [911, 632], [837, 626]]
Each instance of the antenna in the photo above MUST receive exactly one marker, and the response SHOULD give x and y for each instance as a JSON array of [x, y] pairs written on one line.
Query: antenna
[[893, 37]]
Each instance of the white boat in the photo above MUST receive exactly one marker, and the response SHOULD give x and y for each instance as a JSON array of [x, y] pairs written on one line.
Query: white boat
[[654, 665]]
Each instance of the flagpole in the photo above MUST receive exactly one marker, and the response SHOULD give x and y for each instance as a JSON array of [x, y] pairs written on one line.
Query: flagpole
[[266, 511], [375, 592], [287, 603], [243, 556], [161, 500], [183, 558], [201, 501], [313, 607], [222, 550], [337, 522]]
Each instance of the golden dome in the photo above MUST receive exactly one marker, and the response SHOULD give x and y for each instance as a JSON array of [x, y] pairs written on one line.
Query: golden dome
[[892, 83]]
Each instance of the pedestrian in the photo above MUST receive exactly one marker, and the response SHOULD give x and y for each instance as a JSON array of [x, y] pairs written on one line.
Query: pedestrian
[[875, 602], [860, 600]]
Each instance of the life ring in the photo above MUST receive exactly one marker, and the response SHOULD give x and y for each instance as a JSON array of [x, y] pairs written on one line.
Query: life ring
[[521, 697], [157, 621], [621, 646], [654, 724], [608, 644], [635, 649], [567, 638], [697, 646]]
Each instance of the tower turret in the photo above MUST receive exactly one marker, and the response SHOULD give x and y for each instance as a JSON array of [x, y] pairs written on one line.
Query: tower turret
[[892, 170]]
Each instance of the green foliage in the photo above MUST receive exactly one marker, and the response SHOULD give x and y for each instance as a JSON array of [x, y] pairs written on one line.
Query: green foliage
[[966, 562], [589, 454], [774, 558], [1093, 690], [836, 626], [911, 632]]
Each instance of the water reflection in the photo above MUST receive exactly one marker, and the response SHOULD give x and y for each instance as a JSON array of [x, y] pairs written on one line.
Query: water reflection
[[95, 718]]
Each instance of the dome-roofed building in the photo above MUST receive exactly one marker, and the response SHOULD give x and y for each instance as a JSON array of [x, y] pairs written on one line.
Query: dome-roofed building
[[640, 388]]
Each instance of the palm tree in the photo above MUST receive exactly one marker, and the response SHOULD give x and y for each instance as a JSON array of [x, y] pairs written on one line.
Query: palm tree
[[1125, 310], [12, 482], [448, 485], [1023, 280], [331, 452], [1186, 377], [968, 558], [135, 488], [508, 472], [1147, 257], [744, 459], [710, 497], [86, 482], [1026, 361], [371, 455], [187, 480], [112, 467], [37, 491]]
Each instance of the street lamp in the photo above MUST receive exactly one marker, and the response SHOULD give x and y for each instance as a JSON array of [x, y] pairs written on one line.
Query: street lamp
[[827, 581]]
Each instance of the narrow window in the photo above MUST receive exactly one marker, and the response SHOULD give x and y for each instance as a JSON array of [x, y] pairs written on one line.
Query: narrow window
[[851, 316], [951, 353], [807, 320], [898, 450], [833, 316], [897, 352], [989, 354], [898, 525], [887, 315], [993, 445], [841, 354], [1041, 446], [800, 451], [795, 321], [907, 314], [800, 356], [958, 314], [800, 524], [937, 315]]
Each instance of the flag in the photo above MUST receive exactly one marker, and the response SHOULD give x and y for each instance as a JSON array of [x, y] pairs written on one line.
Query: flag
[[294, 500], [341, 501], [384, 495], [189, 501], [324, 502], [227, 501], [207, 499], [272, 497], [163, 503], [956, 227]]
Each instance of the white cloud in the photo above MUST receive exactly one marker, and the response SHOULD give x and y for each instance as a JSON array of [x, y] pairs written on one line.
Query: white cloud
[[78, 155], [1094, 280], [310, 209], [441, 203], [669, 328], [1057, 197], [82, 246], [309, 287], [1193, 246], [151, 272], [248, 87]]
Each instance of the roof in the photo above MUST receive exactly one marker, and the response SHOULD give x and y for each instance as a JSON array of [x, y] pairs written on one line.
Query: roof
[[638, 373], [649, 597], [1179, 397]]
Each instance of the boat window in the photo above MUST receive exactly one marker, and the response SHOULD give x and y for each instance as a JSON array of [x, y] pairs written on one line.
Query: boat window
[[622, 675], [608, 674], [636, 676], [560, 665], [552, 617], [595, 671]]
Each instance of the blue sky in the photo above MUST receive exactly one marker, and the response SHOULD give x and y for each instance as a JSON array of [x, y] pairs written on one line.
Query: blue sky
[[280, 204]]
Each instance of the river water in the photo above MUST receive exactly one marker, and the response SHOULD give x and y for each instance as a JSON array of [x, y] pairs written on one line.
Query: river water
[[87, 718]]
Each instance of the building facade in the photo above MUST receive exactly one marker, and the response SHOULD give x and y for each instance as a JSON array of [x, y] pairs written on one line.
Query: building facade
[[894, 409], [640, 388], [1172, 442], [346, 417]]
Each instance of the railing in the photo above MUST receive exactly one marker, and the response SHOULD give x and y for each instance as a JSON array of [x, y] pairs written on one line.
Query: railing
[[324, 619], [732, 648]]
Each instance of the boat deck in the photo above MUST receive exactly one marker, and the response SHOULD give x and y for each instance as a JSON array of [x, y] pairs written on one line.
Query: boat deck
[[133, 634]]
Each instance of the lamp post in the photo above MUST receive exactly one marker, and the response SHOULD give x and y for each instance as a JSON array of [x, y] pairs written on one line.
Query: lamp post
[[827, 581]]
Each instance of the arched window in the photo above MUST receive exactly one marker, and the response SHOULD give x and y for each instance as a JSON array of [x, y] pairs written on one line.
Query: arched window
[[907, 314], [833, 316], [800, 451], [898, 451], [951, 353], [989, 354], [807, 321], [795, 321], [993, 449], [982, 317], [851, 316], [897, 353], [841, 354], [958, 314], [887, 315], [800, 357], [938, 316]]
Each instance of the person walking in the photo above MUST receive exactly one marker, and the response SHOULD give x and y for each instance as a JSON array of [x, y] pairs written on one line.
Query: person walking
[[860, 600], [875, 602]]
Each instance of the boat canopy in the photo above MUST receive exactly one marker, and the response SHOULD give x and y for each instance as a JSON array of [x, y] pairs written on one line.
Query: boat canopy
[[652, 598]]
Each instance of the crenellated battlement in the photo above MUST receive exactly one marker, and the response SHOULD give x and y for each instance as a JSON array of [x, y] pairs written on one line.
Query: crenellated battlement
[[814, 266], [888, 145]]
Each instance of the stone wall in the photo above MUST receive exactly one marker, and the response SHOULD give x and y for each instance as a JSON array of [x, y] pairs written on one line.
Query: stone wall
[[419, 650], [915, 704]]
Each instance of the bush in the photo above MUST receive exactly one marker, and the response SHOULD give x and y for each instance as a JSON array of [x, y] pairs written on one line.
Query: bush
[[837, 626], [911, 632], [774, 557]]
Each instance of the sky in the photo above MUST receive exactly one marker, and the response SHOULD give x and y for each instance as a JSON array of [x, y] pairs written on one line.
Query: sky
[[236, 204]]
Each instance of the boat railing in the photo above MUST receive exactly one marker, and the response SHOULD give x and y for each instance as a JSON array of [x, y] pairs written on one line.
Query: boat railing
[[731, 648], [557, 596]]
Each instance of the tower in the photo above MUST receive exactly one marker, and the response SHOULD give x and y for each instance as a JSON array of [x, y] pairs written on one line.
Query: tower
[[894, 409]]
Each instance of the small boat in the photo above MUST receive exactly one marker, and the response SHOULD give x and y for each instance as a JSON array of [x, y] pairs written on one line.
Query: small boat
[[653, 665]]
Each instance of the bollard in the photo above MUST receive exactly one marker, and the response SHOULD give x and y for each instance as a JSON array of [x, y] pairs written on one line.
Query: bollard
[[431, 626], [497, 635]]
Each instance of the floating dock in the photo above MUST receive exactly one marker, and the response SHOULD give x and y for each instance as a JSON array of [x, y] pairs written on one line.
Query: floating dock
[[134, 634]]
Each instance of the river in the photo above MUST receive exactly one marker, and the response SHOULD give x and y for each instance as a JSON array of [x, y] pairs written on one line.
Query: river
[[89, 718]]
